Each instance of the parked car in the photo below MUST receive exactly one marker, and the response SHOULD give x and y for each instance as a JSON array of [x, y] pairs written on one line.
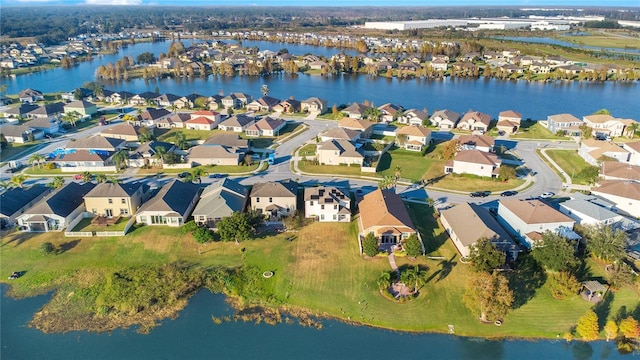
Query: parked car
[[547, 195], [508, 193], [217, 176], [480, 193], [183, 174], [77, 177]]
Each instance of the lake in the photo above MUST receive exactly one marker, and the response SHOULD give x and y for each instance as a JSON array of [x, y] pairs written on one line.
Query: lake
[[193, 335], [534, 100]]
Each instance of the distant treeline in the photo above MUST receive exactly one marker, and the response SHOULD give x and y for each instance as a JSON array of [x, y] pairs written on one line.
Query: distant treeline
[[51, 25]]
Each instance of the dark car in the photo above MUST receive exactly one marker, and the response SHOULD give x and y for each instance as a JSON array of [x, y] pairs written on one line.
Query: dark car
[[480, 193], [508, 193], [183, 174]]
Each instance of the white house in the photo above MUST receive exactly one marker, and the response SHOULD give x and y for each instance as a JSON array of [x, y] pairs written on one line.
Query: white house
[[634, 152], [236, 123], [592, 151], [588, 210], [327, 204], [625, 194], [266, 127], [474, 162], [444, 119], [171, 206]]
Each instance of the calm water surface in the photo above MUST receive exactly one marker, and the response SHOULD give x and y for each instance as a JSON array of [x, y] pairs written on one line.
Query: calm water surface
[[193, 335]]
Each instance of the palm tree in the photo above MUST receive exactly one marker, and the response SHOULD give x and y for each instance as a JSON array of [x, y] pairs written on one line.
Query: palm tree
[[198, 173], [384, 281], [71, 117], [160, 152], [18, 180], [634, 127], [386, 183], [113, 179], [100, 178], [181, 140], [86, 176], [120, 159], [396, 174], [189, 177], [56, 183], [264, 89], [36, 158]]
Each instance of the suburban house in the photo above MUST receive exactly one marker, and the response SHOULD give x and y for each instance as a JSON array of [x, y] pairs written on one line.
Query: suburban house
[[474, 162], [200, 123], [439, 65], [174, 121], [314, 105], [19, 133], [81, 107], [590, 210], [48, 126], [30, 96], [212, 155], [211, 115], [509, 121], [593, 151], [289, 105], [97, 143], [236, 123], [444, 119], [167, 100], [263, 104], [567, 123], [275, 199], [15, 201], [482, 143], [614, 170], [119, 97], [528, 219], [475, 121], [390, 112], [151, 116], [144, 98], [186, 102], [266, 127], [55, 211], [364, 126], [467, 223], [327, 204], [625, 194], [604, 125], [355, 110], [82, 159], [147, 154], [415, 137], [383, 213], [414, 117], [236, 100], [20, 110], [220, 199], [634, 150], [171, 206], [230, 141], [125, 131], [336, 152], [340, 134], [112, 200], [47, 111]]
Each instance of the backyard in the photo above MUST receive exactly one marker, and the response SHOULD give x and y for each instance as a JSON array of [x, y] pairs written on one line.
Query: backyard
[[573, 165], [85, 226], [534, 130]]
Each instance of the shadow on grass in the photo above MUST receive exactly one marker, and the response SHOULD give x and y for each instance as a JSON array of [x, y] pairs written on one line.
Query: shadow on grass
[[525, 280], [64, 247], [446, 267], [384, 163], [603, 308], [424, 218], [19, 238]]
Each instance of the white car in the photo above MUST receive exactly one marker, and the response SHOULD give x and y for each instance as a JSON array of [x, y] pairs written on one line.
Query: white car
[[547, 195]]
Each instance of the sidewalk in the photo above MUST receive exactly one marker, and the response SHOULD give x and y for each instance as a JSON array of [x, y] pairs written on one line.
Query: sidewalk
[[567, 184]]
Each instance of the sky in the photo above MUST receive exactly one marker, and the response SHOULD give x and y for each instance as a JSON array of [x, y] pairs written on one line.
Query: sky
[[523, 3]]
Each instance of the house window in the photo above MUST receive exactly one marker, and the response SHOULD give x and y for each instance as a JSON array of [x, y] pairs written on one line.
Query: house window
[[311, 202], [322, 207], [124, 212], [270, 199], [257, 199], [321, 216], [110, 201], [335, 207], [123, 201]]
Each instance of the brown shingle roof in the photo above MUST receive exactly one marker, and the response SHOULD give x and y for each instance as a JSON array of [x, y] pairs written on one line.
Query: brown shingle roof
[[127, 129], [414, 130], [351, 123], [275, 189], [477, 157], [620, 170], [534, 211], [384, 208], [562, 118], [510, 113], [477, 140], [622, 188], [472, 222]]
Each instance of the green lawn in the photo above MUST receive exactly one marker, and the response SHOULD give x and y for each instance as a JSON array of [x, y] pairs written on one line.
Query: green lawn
[[35, 170], [308, 167], [191, 135], [474, 183], [602, 40], [533, 130], [85, 225], [14, 149], [307, 150], [413, 166], [571, 163], [210, 169]]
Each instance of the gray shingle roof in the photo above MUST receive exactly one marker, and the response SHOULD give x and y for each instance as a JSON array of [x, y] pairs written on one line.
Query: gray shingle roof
[[64, 201], [175, 196], [222, 198], [114, 190], [275, 189], [14, 199]]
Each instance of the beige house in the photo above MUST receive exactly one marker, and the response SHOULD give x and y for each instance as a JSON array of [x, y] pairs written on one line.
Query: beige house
[[364, 126], [444, 119], [483, 143], [336, 152], [592, 151], [110, 200], [414, 117], [475, 121], [474, 162], [607, 125], [467, 223], [415, 137], [125, 131], [509, 121], [340, 133], [614, 170], [567, 123], [275, 199], [383, 213], [200, 123], [171, 206], [212, 155], [314, 105]]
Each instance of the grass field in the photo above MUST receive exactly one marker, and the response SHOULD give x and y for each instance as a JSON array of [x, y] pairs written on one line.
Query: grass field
[[14, 149], [85, 225], [605, 40], [531, 130], [308, 167], [474, 183], [571, 163]]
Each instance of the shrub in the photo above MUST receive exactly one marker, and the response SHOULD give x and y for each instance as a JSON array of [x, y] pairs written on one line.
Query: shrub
[[563, 284], [413, 246], [370, 245], [47, 248]]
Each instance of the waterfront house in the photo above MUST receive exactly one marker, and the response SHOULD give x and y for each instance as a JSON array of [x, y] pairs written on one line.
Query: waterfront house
[[327, 204], [509, 121], [186, 102], [337, 152], [415, 137], [439, 65], [467, 223], [606, 125], [383, 213], [474, 121], [171, 206], [474, 162], [114, 199], [30, 96], [414, 117], [82, 107], [482, 143], [263, 104], [55, 211], [614, 170], [528, 219], [289, 105], [390, 112], [236, 100], [166, 100], [444, 119], [144, 98], [593, 151], [19, 111], [236, 123], [15, 201], [355, 110], [266, 127], [567, 123], [362, 125], [625, 194], [212, 155], [118, 97], [218, 200], [314, 105], [634, 152], [275, 199]]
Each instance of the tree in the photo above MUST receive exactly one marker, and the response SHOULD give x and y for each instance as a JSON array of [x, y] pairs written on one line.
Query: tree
[[180, 140], [585, 131], [100, 178], [611, 330], [630, 328], [401, 139], [146, 58], [247, 160], [237, 227], [159, 155], [56, 183], [633, 128], [606, 244], [37, 159], [47, 248], [370, 245], [120, 159], [485, 256], [622, 275], [18, 180], [145, 135], [4, 143], [86, 176], [384, 280], [386, 183], [264, 89], [563, 284], [71, 117], [587, 326], [507, 173], [489, 295], [450, 149], [602, 112], [414, 276], [554, 252], [203, 235], [413, 246]]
